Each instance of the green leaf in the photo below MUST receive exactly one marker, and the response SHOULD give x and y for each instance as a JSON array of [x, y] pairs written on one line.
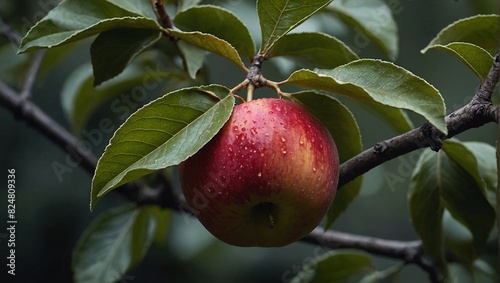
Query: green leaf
[[113, 50], [449, 180], [464, 194], [475, 57], [140, 8], [186, 4], [313, 50], [378, 83], [278, 17], [220, 23], [74, 20], [193, 57], [484, 272], [335, 266], [389, 275], [343, 127], [396, 118], [487, 167], [161, 134], [458, 239], [111, 245], [212, 44], [464, 158], [373, 18], [161, 218], [80, 98], [481, 30], [424, 203]]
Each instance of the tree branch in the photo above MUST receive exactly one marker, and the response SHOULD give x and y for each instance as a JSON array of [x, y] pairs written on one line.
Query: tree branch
[[407, 251], [476, 113]]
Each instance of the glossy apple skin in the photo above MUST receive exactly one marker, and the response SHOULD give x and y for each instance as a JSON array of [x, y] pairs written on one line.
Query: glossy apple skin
[[266, 179]]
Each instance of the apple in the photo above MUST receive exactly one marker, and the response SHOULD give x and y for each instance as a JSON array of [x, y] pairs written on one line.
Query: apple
[[267, 178]]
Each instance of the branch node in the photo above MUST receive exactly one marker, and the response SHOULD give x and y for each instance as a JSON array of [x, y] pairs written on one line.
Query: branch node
[[380, 147], [431, 137], [254, 74]]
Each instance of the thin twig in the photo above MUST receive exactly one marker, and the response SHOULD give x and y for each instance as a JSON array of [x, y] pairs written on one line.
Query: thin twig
[[9, 33], [36, 117], [161, 14], [31, 75]]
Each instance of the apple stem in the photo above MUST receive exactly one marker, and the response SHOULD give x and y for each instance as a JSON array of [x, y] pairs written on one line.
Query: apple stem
[[250, 90]]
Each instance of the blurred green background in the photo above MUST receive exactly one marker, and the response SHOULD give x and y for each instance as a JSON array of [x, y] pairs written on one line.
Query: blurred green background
[[53, 213]]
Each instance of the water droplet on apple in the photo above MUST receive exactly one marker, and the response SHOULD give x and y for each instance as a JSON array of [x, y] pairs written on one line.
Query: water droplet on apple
[[301, 142], [260, 174], [283, 139], [314, 169], [271, 112], [253, 131], [235, 128], [243, 129], [284, 151], [272, 119]]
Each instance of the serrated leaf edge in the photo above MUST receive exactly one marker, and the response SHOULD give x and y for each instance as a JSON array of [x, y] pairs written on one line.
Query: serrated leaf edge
[[107, 188], [23, 49]]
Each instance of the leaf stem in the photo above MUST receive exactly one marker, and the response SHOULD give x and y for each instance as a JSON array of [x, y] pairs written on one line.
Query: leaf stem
[[250, 89]]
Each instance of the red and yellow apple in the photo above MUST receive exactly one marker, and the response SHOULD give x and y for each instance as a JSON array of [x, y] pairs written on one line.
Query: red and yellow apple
[[266, 179]]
